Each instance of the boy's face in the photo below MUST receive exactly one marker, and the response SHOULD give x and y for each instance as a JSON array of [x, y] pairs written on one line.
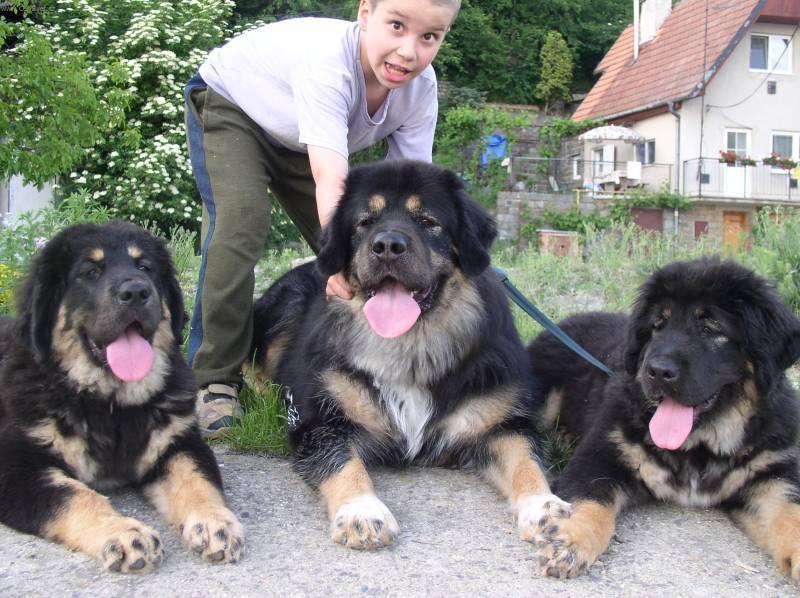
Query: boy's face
[[400, 38]]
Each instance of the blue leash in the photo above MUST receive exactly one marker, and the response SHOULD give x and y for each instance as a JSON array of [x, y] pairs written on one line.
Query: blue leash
[[548, 324]]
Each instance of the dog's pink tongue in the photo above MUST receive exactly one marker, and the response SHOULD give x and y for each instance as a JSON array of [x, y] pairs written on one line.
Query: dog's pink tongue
[[671, 424], [130, 357], [392, 311]]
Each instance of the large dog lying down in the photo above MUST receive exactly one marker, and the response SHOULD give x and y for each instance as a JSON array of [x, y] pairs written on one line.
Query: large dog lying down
[[423, 365], [698, 412], [95, 394]]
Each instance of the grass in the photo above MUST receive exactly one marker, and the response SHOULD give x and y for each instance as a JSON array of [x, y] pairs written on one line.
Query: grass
[[263, 426]]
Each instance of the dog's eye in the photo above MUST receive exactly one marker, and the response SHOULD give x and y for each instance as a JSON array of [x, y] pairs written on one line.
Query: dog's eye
[[90, 271], [143, 265], [427, 222], [365, 221]]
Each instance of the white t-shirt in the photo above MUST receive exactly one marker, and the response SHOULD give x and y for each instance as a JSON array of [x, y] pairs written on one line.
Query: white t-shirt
[[301, 80]]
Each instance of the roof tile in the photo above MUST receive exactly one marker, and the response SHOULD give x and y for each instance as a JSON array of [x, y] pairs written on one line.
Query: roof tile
[[671, 65]]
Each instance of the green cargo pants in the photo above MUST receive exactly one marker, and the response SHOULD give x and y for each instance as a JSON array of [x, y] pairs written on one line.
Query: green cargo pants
[[234, 162]]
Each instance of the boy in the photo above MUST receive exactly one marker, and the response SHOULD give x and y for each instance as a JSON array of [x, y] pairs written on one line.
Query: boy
[[282, 107]]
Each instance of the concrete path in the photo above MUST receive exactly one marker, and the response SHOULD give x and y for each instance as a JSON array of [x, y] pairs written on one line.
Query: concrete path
[[457, 539]]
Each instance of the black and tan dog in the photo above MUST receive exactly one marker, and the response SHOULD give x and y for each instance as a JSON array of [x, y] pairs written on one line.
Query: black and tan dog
[[422, 366], [698, 413], [95, 394]]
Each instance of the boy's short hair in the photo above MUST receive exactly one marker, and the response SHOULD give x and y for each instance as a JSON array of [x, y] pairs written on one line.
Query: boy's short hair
[[456, 4]]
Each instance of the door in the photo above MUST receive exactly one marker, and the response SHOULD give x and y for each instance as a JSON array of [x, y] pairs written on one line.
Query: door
[[737, 179], [648, 219], [734, 229]]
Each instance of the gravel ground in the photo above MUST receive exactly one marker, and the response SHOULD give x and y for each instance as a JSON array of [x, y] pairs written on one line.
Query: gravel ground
[[457, 539]]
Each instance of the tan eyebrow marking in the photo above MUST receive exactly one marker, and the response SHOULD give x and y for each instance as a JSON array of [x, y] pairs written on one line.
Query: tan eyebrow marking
[[413, 203], [134, 251], [376, 204], [97, 255]]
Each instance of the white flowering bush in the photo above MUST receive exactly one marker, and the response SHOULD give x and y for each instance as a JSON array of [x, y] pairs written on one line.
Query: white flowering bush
[[139, 53], [49, 109]]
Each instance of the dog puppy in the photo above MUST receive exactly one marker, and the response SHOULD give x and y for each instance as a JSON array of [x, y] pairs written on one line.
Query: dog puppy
[[96, 394], [698, 411], [422, 366]]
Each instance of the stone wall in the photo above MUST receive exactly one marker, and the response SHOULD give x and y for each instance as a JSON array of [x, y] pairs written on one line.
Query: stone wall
[[515, 208]]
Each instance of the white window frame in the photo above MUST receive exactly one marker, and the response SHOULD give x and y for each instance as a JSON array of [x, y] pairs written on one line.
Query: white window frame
[[795, 148], [597, 162], [747, 138], [788, 55], [577, 173]]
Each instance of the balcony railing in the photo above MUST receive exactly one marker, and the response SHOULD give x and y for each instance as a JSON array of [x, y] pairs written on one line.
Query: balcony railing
[[708, 177], [593, 176]]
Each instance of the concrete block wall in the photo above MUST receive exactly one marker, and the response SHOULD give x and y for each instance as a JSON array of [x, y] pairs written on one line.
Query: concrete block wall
[[516, 208]]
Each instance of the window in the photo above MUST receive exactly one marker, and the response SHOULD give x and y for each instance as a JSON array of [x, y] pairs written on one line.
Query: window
[[771, 53], [577, 169], [737, 142], [700, 228], [646, 152], [785, 145], [597, 162], [603, 160]]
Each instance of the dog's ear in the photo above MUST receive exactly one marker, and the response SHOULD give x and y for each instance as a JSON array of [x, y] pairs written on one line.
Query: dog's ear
[[771, 336], [334, 254], [638, 335], [41, 294], [476, 231], [335, 245], [172, 292]]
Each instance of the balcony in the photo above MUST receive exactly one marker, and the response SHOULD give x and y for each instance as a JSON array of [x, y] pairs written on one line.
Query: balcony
[[711, 179]]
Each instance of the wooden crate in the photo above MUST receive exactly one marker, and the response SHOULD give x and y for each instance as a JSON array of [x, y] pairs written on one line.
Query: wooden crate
[[561, 243]]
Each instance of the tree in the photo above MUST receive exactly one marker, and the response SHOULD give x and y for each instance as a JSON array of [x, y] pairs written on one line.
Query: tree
[[50, 111], [144, 51], [494, 45], [556, 76]]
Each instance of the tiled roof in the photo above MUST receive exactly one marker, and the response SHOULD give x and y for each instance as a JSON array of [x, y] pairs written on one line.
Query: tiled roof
[[673, 65]]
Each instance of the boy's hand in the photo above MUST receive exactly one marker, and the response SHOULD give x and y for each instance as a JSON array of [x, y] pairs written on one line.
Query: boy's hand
[[338, 287]]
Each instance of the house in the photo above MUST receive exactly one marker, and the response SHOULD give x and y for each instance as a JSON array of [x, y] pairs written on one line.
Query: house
[[692, 81], [16, 198]]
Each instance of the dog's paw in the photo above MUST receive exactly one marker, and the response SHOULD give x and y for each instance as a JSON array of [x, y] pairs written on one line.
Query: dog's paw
[[788, 559], [131, 547], [567, 543], [364, 522], [214, 534], [531, 510]]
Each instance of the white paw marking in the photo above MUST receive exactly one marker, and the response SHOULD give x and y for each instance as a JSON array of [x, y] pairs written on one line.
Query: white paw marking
[[364, 522], [531, 509]]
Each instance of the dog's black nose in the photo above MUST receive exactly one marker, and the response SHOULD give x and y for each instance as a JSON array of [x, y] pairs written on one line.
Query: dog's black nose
[[662, 370], [389, 245], [133, 292]]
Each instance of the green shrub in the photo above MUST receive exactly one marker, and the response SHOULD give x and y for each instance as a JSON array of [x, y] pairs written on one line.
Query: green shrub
[[461, 135], [776, 251]]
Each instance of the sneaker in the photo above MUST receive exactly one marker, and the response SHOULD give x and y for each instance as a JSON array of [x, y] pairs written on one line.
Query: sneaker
[[217, 409]]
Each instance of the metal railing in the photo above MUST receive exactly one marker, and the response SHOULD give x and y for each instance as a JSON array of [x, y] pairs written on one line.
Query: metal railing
[[708, 177]]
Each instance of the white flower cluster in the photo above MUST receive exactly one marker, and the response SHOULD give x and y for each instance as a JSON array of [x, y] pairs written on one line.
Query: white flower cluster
[[140, 55]]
